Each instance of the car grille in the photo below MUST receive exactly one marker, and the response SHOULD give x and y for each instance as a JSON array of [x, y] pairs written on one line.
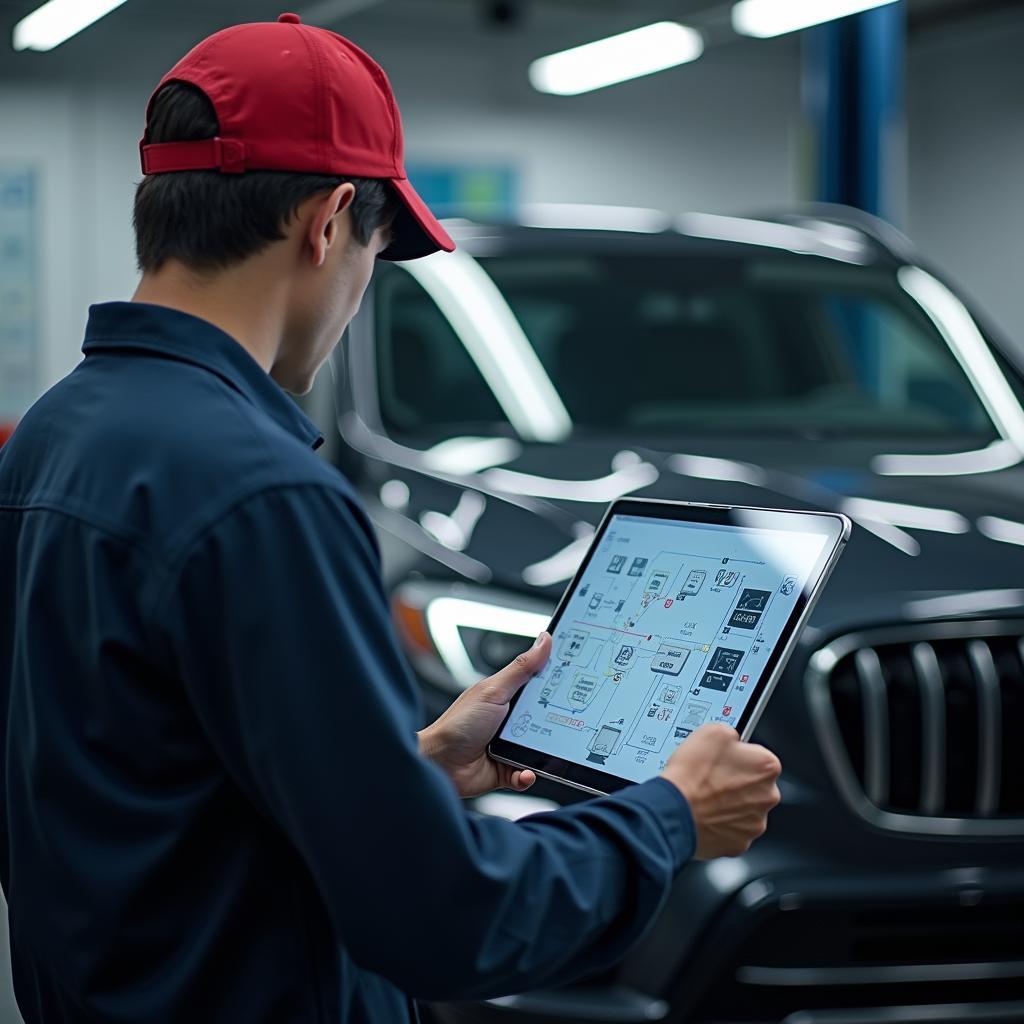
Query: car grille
[[923, 725]]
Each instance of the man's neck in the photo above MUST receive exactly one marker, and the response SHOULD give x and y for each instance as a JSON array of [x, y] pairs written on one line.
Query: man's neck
[[246, 302]]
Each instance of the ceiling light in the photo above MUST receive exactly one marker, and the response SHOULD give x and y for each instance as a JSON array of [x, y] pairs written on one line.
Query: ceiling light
[[50, 25], [765, 18], [641, 51]]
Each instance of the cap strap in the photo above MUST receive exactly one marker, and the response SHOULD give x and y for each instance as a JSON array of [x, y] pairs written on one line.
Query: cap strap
[[225, 155]]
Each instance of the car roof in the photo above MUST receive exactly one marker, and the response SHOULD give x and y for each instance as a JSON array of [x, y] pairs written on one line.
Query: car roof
[[833, 232]]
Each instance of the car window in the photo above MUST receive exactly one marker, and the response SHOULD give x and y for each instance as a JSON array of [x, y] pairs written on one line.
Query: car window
[[653, 344], [425, 375]]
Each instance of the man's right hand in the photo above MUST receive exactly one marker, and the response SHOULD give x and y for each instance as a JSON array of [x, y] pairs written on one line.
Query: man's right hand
[[730, 786]]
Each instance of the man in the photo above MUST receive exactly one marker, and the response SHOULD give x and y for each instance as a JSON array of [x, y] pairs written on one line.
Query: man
[[216, 806]]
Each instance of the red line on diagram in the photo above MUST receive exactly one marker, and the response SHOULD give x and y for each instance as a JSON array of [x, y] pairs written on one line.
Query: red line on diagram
[[614, 629]]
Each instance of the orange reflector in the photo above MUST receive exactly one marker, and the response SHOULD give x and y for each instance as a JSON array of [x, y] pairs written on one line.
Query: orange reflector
[[412, 625]]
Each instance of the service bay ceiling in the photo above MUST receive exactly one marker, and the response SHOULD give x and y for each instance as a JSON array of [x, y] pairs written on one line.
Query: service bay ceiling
[[159, 29]]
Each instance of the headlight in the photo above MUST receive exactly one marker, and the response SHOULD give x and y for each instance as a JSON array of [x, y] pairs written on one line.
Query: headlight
[[457, 634]]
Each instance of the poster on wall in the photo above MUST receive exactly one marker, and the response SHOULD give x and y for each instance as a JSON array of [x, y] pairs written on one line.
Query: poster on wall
[[19, 294], [466, 190]]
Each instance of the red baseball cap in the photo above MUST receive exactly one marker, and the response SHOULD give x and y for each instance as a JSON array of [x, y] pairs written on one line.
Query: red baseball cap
[[291, 97]]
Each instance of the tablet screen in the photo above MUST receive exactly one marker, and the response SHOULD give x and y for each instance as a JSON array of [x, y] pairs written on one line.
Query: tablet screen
[[670, 626]]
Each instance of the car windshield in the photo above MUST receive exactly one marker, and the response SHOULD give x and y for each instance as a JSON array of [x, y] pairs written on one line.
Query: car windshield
[[654, 344]]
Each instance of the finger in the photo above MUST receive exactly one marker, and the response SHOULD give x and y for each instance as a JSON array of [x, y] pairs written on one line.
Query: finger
[[764, 760], [522, 780], [500, 687], [719, 731]]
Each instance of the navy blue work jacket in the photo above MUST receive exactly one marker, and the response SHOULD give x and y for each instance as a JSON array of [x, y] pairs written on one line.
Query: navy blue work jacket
[[214, 808]]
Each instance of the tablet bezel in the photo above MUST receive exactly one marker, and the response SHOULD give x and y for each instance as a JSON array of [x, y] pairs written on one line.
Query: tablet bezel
[[834, 526]]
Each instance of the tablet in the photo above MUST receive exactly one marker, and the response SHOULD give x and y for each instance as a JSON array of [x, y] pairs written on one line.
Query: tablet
[[680, 614]]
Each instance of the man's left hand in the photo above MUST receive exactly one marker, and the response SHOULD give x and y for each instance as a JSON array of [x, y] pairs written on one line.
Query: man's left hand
[[457, 741]]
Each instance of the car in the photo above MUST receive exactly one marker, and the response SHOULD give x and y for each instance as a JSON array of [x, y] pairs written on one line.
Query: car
[[489, 404]]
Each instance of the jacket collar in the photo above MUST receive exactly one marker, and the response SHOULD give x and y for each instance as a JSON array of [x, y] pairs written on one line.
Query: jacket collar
[[172, 334]]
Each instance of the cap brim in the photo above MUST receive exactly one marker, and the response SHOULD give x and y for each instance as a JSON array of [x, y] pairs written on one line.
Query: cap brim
[[416, 231]]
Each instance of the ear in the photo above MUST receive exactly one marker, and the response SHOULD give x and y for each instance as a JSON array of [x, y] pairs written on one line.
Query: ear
[[326, 227]]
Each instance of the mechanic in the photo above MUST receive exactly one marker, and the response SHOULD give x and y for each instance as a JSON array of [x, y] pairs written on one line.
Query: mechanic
[[216, 804]]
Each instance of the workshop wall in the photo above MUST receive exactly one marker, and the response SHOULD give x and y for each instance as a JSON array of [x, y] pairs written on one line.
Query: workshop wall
[[721, 135], [82, 143], [966, 160]]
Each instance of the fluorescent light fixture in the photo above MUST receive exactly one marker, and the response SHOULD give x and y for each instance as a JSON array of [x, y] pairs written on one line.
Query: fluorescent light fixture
[[641, 51], [481, 318], [965, 341], [765, 18], [53, 23], [445, 616]]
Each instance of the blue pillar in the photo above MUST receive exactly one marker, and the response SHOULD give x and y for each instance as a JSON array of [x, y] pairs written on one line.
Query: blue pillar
[[853, 95]]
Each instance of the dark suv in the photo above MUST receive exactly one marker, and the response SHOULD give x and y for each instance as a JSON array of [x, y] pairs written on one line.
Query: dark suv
[[490, 403]]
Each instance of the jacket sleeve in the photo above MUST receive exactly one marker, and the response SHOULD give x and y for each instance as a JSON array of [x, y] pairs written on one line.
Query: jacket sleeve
[[277, 624]]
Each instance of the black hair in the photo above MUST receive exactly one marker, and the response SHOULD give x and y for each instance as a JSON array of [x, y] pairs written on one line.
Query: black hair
[[208, 220]]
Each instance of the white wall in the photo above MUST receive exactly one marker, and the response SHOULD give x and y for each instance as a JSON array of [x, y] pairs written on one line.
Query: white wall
[[79, 141], [966, 196], [714, 135]]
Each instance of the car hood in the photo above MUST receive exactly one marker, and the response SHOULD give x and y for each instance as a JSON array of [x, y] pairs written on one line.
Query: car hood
[[921, 545]]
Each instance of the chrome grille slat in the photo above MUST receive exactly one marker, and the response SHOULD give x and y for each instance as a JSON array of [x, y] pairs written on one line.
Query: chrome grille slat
[[933, 731], [935, 753], [876, 725], [990, 727]]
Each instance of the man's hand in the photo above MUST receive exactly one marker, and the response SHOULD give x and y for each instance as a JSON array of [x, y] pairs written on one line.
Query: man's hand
[[730, 786], [457, 741]]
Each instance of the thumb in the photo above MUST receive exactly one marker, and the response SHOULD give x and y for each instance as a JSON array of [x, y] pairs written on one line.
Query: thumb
[[501, 687]]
